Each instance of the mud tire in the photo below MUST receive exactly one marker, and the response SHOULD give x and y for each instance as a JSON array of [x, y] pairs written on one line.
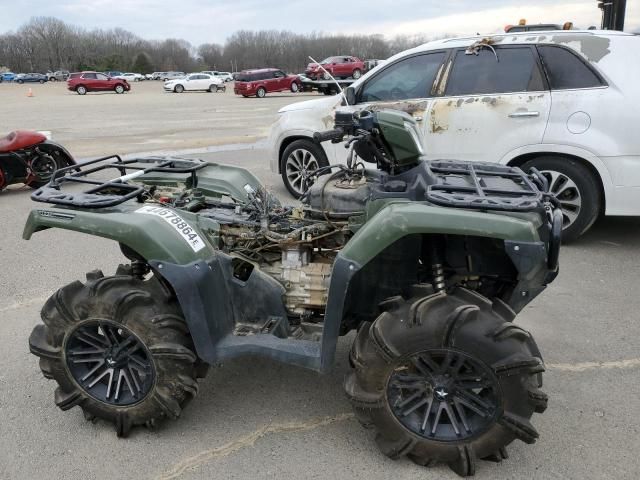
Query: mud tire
[[462, 321], [145, 308]]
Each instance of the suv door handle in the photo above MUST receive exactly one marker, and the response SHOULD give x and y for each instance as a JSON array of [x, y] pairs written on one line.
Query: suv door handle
[[524, 114]]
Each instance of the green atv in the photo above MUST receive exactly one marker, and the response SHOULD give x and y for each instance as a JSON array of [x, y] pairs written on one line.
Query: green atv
[[428, 261]]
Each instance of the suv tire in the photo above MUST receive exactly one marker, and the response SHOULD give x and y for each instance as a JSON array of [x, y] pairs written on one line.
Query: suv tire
[[357, 73], [261, 92], [119, 89], [576, 189], [299, 157], [81, 90]]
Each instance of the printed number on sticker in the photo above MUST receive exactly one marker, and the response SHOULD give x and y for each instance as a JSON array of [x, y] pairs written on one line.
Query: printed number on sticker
[[176, 221]]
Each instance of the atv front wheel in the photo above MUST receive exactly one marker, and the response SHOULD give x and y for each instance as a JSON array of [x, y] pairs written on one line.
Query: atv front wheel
[[119, 348], [446, 378]]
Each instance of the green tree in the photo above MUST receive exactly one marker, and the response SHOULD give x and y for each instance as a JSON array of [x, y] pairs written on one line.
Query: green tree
[[142, 63]]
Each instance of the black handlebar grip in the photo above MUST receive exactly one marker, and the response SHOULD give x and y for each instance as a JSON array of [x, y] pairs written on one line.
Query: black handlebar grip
[[335, 134]]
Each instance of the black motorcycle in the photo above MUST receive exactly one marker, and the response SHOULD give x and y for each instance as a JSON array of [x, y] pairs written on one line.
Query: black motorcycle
[[30, 158]]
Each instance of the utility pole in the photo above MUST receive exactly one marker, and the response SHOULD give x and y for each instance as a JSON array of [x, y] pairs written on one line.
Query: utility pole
[[613, 13]]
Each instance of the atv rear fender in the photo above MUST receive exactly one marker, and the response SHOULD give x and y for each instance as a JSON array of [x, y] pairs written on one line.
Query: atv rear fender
[[151, 236]]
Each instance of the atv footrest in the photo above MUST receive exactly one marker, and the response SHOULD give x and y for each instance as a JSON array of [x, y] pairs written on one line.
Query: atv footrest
[[272, 324]]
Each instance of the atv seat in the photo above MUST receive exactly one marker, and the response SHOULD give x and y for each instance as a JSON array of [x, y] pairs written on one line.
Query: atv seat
[[20, 139]]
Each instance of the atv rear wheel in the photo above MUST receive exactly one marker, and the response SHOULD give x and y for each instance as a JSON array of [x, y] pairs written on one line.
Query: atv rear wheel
[[446, 378], [119, 348]]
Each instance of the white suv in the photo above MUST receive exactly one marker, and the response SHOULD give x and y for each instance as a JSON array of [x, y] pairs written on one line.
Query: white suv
[[565, 102]]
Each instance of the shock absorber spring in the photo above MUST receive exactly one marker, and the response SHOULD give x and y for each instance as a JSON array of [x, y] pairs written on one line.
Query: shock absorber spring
[[438, 277], [436, 254]]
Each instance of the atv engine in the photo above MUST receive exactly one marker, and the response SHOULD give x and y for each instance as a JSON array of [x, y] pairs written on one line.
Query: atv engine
[[295, 245]]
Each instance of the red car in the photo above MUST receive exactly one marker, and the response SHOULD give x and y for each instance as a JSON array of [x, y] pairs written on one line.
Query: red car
[[263, 81], [342, 66], [84, 82]]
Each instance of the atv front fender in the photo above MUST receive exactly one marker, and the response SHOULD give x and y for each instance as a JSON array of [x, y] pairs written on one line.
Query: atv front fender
[[151, 236], [400, 219], [397, 220]]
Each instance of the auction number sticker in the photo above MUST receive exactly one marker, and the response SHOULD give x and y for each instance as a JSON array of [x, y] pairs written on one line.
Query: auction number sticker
[[177, 222]]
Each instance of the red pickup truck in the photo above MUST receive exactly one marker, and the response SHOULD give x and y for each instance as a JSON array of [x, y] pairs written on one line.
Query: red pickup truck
[[341, 66]]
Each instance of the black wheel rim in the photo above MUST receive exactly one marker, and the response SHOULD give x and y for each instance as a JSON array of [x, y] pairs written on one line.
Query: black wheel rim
[[109, 362], [444, 395]]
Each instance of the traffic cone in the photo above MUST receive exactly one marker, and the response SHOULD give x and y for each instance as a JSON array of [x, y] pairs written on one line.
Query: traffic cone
[[30, 93]]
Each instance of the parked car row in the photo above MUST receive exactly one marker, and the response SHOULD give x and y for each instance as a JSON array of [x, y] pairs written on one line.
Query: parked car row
[[23, 77], [57, 76]]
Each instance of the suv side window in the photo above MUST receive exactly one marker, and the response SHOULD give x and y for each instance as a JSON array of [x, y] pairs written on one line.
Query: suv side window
[[515, 70], [410, 77], [101, 76], [278, 74], [565, 70], [89, 76]]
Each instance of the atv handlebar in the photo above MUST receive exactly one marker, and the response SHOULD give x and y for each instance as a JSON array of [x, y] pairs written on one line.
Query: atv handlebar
[[335, 134]]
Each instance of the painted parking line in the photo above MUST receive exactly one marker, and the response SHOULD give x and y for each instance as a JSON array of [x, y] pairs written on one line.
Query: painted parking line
[[586, 366], [191, 463]]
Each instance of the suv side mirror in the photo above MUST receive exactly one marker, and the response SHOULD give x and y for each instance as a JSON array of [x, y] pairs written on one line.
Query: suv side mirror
[[350, 94]]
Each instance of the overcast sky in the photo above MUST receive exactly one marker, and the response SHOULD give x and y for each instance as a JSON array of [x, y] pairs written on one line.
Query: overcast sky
[[204, 21]]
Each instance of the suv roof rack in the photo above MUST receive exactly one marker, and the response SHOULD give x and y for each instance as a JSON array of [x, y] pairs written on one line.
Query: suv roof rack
[[108, 193]]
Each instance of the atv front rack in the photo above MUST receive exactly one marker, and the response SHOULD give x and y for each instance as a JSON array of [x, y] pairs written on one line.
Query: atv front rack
[[485, 186], [108, 193]]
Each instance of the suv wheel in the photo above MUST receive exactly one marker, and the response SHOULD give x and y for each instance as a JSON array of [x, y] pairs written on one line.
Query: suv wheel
[[357, 73], [119, 89], [261, 92], [575, 188], [295, 88], [81, 90], [298, 160], [326, 75]]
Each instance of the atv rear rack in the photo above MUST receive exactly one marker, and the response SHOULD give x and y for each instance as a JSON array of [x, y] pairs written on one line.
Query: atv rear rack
[[108, 193], [485, 186]]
